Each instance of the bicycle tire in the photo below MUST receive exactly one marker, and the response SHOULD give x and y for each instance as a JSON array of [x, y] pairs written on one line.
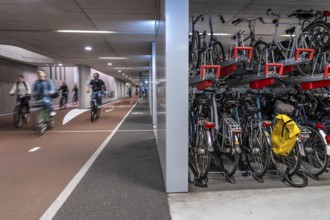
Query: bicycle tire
[[258, 158], [218, 53], [259, 50], [316, 160], [225, 155], [292, 161], [194, 53], [18, 117], [296, 184], [321, 36], [201, 153]]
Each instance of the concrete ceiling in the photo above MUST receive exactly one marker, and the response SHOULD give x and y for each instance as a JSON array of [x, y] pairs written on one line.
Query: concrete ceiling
[[32, 25]]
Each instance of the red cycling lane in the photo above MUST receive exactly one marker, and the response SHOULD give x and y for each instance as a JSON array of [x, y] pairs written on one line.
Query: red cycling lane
[[34, 170]]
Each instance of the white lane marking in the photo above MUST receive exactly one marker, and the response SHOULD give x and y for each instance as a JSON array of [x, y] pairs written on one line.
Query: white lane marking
[[88, 131], [34, 149], [139, 113], [59, 201], [109, 110], [134, 130], [64, 131], [122, 106], [72, 114]]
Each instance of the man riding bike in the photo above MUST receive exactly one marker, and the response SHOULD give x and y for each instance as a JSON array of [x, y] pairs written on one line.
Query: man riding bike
[[23, 91], [44, 90], [65, 91], [97, 86]]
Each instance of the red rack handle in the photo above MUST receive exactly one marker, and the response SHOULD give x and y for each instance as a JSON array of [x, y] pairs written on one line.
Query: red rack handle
[[309, 50], [250, 49], [280, 65], [326, 71], [217, 67]]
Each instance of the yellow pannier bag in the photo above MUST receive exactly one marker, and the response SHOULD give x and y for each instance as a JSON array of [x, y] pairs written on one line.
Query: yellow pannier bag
[[284, 135]]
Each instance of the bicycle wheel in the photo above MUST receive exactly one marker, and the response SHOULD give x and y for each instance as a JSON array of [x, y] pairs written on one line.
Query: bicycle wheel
[[18, 117], [226, 154], [316, 160], [40, 123], [258, 157], [93, 115], [194, 51], [51, 123], [218, 53], [259, 54], [98, 112], [319, 36], [201, 154], [292, 161]]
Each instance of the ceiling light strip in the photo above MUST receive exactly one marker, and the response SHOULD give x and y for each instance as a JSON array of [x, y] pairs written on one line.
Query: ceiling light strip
[[87, 31]]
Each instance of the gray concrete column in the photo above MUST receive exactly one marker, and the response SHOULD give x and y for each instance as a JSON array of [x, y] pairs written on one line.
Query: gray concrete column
[[84, 79], [153, 86], [176, 56]]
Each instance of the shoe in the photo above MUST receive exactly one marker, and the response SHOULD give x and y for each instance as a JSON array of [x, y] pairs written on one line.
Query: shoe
[[52, 114]]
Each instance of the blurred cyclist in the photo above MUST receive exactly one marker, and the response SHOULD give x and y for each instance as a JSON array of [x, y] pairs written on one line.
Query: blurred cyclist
[[97, 86], [44, 90], [23, 91], [65, 91]]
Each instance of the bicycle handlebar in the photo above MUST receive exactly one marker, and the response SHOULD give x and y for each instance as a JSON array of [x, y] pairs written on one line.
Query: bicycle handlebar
[[197, 18], [249, 20], [222, 19]]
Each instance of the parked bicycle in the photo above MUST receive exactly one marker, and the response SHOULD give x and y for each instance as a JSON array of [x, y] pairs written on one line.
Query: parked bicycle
[[200, 136]]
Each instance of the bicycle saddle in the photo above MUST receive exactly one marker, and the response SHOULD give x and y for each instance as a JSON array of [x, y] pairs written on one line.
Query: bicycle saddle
[[231, 102], [290, 30], [299, 105], [203, 101], [252, 109]]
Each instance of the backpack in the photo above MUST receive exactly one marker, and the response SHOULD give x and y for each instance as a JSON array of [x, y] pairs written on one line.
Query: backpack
[[284, 135], [24, 85]]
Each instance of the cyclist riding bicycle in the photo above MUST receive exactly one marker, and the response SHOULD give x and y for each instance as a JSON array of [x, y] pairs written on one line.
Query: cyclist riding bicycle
[[75, 94], [44, 90], [97, 85], [65, 91], [23, 91]]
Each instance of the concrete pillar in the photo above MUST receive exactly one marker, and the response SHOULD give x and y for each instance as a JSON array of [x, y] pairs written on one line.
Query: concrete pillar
[[84, 79], [176, 56], [153, 87]]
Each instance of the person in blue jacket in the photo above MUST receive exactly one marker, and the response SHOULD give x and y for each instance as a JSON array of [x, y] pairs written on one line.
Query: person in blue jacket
[[44, 90]]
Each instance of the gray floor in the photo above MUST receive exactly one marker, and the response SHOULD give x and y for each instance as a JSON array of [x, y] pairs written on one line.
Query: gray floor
[[125, 182]]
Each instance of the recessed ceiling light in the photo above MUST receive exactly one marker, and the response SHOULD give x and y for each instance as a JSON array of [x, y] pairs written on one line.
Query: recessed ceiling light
[[123, 74], [87, 31], [119, 71], [126, 76], [109, 64], [88, 48], [112, 58], [60, 64]]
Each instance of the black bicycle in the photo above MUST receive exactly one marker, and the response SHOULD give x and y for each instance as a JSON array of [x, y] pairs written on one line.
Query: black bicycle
[[64, 99], [43, 119], [95, 110], [75, 98], [21, 114]]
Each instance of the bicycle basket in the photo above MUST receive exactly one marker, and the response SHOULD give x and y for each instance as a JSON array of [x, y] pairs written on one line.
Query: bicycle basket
[[284, 108]]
